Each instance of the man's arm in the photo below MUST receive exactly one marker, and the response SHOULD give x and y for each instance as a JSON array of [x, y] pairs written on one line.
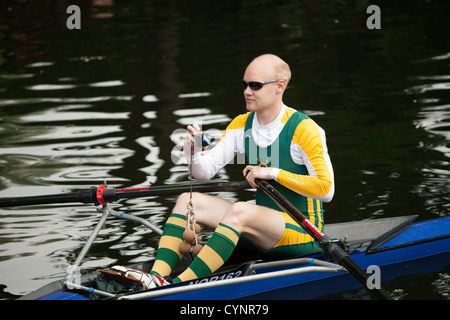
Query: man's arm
[[205, 166], [309, 148]]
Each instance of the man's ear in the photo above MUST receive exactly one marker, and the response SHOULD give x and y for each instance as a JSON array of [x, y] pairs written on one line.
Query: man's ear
[[281, 85]]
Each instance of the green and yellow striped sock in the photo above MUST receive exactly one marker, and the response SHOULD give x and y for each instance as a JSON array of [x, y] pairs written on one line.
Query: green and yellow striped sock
[[168, 254], [213, 255]]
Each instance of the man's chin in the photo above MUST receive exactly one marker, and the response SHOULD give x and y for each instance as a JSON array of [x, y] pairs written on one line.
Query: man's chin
[[250, 107]]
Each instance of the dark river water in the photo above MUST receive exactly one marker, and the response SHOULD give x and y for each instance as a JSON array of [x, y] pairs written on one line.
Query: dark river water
[[108, 102]]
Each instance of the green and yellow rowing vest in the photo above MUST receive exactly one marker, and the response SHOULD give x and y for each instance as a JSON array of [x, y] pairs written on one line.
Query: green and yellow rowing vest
[[278, 155]]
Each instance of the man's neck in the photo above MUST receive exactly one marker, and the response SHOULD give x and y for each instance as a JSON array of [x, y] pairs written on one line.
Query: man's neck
[[267, 115]]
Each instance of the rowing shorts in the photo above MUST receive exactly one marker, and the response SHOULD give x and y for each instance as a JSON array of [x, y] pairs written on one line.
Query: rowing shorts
[[295, 241]]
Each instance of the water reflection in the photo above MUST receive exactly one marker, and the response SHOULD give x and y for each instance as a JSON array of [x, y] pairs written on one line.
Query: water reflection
[[52, 87], [27, 101], [434, 118], [111, 101]]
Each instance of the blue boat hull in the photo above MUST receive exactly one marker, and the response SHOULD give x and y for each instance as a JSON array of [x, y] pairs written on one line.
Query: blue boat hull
[[405, 249]]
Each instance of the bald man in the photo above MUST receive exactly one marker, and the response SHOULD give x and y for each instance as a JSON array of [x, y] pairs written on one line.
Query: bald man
[[281, 145]]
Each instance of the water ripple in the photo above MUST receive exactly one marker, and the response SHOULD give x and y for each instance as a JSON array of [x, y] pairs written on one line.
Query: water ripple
[[27, 101], [434, 118]]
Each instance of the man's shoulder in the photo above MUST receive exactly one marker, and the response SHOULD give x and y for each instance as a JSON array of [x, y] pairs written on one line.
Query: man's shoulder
[[239, 121], [294, 115]]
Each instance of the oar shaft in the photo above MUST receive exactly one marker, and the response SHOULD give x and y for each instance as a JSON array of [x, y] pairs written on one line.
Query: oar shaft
[[178, 189], [102, 195], [333, 250], [83, 197]]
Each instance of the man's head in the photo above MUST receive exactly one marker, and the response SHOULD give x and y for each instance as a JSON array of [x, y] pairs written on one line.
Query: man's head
[[265, 68]]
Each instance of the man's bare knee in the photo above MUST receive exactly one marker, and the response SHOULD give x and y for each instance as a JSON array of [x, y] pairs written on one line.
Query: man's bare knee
[[236, 217], [182, 201], [208, 210]]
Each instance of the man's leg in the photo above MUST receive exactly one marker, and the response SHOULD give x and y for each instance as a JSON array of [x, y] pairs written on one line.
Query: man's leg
[[213, 255], [208, 211], [168, 254], [263, 226]]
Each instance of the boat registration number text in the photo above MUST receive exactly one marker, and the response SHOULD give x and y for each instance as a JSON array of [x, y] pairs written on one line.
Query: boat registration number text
[[230, 275]]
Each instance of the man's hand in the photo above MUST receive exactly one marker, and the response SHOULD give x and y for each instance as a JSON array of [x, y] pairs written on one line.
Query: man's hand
[[189, 141], [255, 172]]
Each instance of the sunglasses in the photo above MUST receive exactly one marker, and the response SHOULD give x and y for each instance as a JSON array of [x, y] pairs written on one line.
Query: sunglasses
[[256, 85]]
